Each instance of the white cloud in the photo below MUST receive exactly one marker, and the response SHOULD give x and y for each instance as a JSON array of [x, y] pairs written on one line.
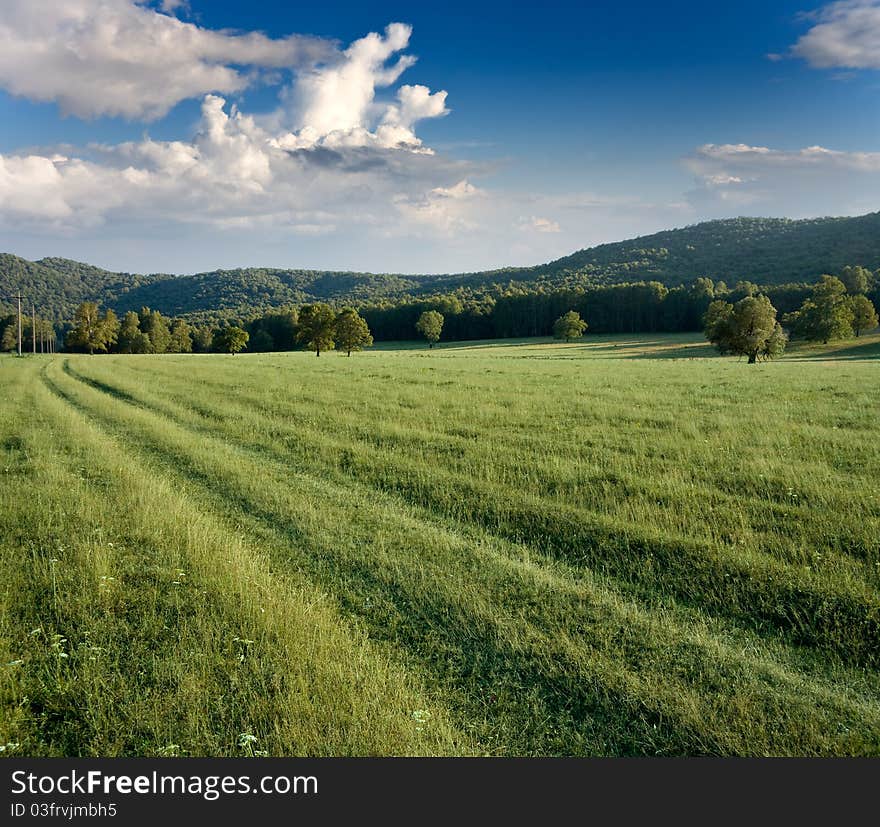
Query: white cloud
[[171, 6], [746, 156], [722, 180], [118, 57], [813, 180], [337, 98], [335, 105], [331, 157], [540, 225], [845, 35], [446, 211], [416, 104], [234, 174], [463, 189]]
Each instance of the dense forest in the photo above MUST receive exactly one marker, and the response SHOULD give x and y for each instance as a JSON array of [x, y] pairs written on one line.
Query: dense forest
[[513, 311], [768, 251]]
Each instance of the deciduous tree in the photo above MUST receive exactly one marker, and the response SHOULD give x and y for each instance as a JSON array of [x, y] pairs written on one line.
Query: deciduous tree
[[317, 327], [230, 340], [864, 314], [826, 315], [91, 330], [155, 325], [430, 325], [181, 337], [203, 339], [569, 326], [856, 280], [351, 331], [747, 328], [131, 339]]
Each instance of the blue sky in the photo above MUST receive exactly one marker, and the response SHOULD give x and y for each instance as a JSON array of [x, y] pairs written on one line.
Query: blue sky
[[187, 136]]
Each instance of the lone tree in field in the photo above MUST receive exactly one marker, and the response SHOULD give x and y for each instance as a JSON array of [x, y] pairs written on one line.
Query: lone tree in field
[[430, 325], [747, 328], [317, 327], [230, 340], [864, 314], [92, 331], [570, 326], [351, 331], [826, 315]]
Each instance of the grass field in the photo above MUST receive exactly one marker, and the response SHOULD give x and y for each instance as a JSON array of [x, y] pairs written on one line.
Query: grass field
[[616, 547]]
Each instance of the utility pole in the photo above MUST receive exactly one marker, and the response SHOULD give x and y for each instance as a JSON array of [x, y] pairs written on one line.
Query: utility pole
[[34, 327], [19, 322]]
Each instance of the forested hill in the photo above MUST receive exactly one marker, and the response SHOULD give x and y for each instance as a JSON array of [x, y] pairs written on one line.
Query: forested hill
[[768, 251], [762, 250]]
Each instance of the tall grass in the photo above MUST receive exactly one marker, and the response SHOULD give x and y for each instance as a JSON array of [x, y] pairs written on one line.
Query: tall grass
[[540, 549]]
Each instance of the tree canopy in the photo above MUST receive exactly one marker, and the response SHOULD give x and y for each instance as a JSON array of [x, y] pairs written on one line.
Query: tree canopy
[[231, 339], [430, 325], [747, 328], [864, 314], [317, 327], [569, 326], [351, 331], [856, 279], [91, 330], [826, 315]]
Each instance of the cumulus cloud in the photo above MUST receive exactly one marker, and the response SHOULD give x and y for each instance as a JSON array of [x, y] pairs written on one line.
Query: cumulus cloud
[[233, 174], [119, 57], [331, 156], [335, 106], [339, 157], [337, 98], [845, 35]]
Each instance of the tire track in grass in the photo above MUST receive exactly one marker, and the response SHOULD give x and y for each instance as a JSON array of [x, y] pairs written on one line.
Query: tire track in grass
[[800, 658], [769, 509], [573, 660], [275, 660], [756, 591]]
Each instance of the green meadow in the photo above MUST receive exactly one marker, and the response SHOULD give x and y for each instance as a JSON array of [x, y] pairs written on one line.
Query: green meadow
[[625, 546]]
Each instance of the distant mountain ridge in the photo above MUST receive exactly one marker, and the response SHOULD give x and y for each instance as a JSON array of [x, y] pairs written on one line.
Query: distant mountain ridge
[[769, 251]]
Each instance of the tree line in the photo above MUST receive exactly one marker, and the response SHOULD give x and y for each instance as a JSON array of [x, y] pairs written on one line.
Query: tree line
[[518, 311], [317, 327], [514, 311]]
